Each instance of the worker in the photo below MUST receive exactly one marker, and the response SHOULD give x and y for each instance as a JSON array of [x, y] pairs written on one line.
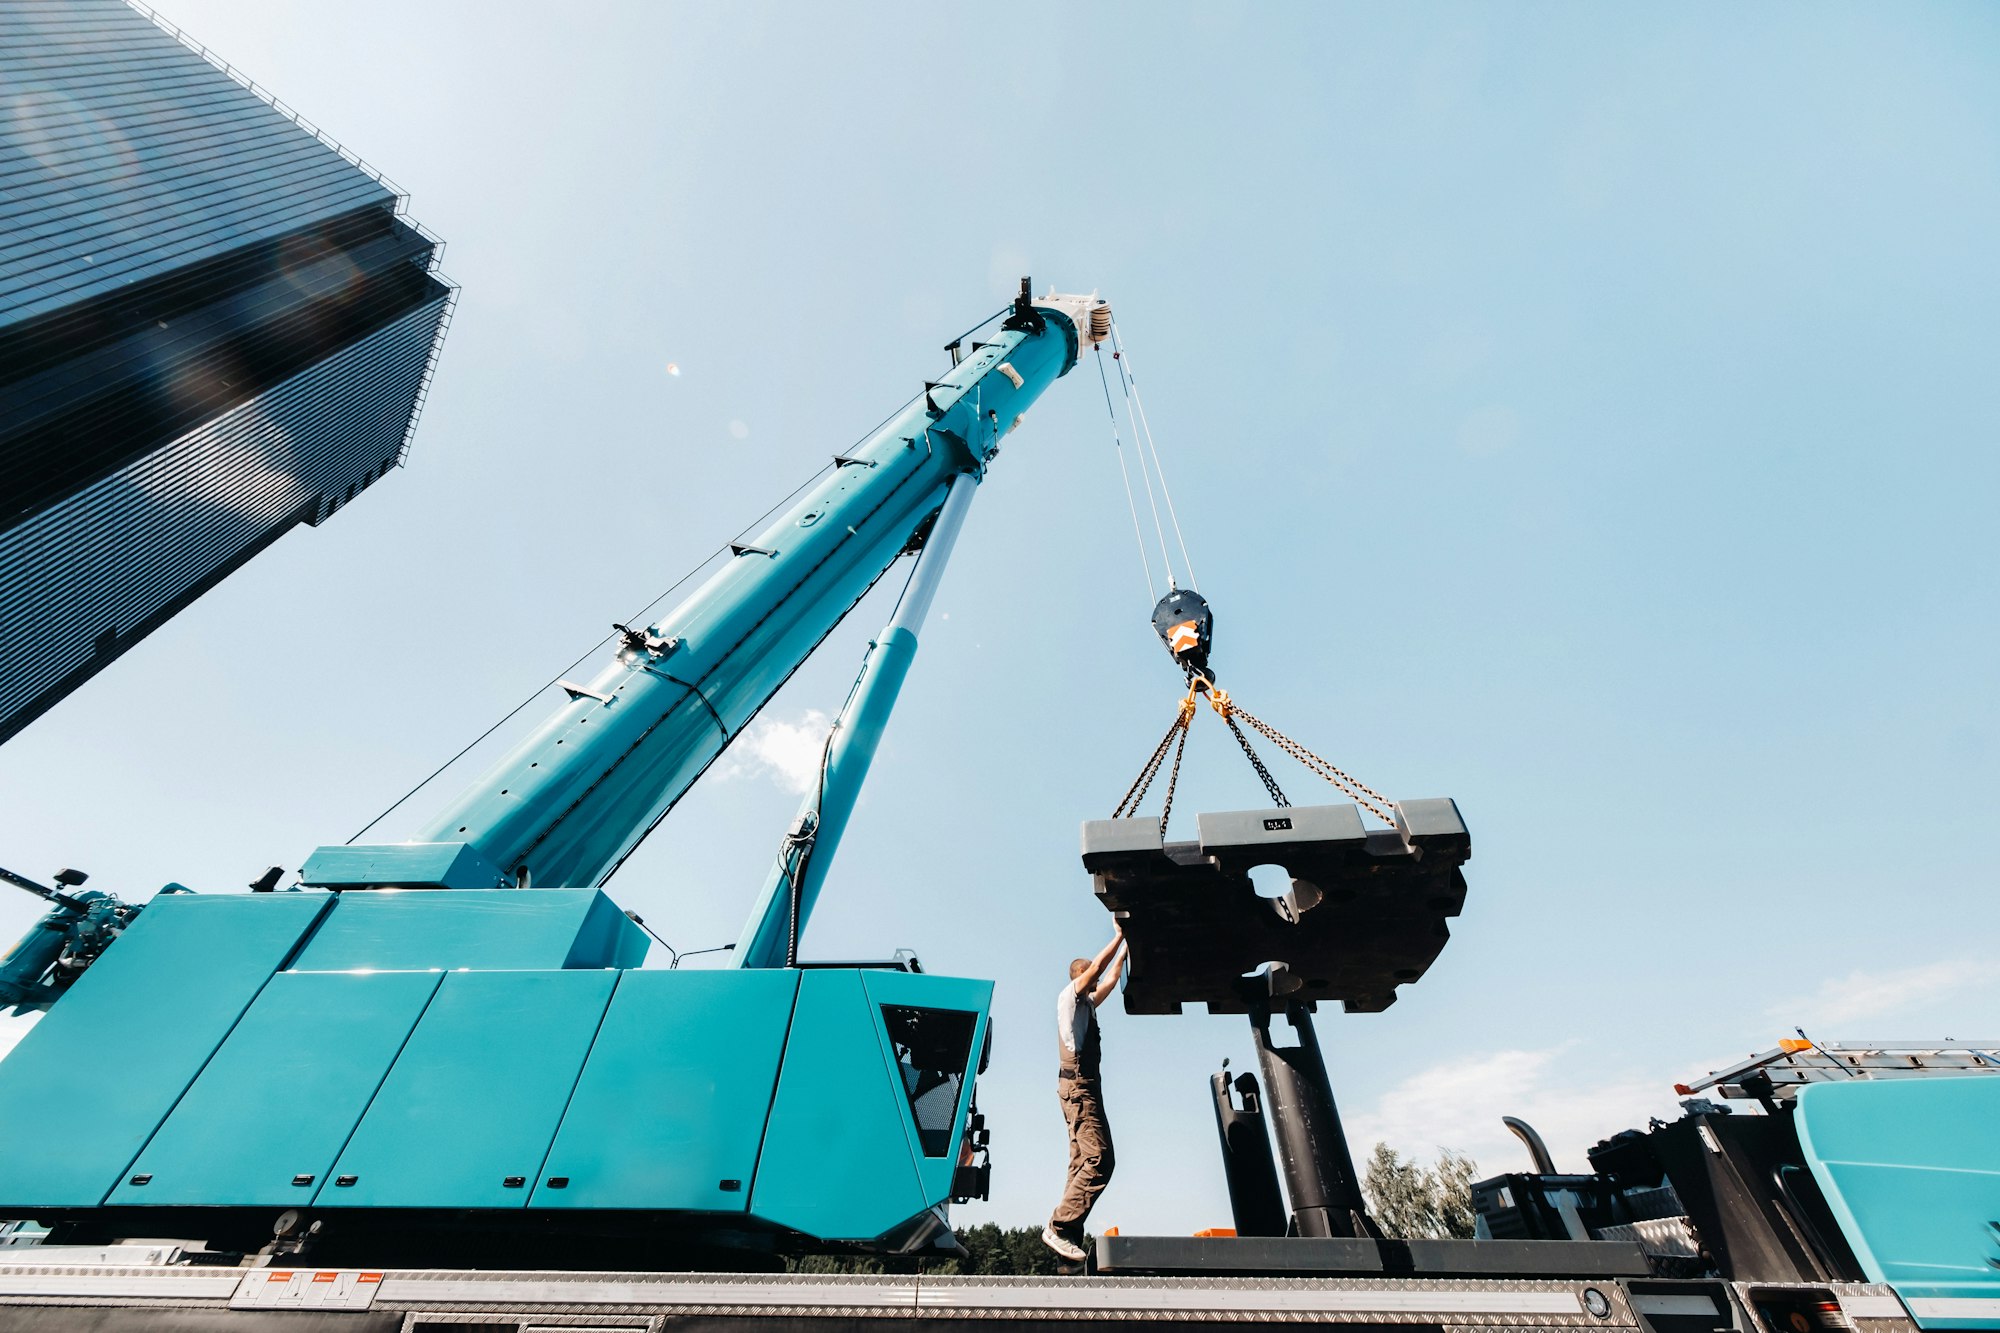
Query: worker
[[1091, 982]]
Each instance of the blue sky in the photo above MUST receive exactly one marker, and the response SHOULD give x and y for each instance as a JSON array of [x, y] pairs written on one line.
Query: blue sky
[[1585, 412]]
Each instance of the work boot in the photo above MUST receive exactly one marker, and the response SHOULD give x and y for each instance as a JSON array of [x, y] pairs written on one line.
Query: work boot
[[1062, 1244]]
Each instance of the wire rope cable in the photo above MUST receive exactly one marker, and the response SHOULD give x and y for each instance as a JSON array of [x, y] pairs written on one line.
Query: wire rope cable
[[637, 617], [1125, 473], [640, 615], [977, 327], [1145, 476], [1139, 409]]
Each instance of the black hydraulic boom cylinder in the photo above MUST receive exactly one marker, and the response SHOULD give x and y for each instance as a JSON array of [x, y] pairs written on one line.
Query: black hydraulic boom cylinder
[[1254, 1202], [1319, 1171]]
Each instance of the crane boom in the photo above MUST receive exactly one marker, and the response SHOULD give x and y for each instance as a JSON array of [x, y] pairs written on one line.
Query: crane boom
[[568, 803]]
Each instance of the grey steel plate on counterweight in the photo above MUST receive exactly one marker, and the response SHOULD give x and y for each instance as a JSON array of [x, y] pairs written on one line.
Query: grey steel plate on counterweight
[[1366, 911]]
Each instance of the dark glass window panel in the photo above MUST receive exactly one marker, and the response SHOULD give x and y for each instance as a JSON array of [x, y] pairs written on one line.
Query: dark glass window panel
[[933, 1049]]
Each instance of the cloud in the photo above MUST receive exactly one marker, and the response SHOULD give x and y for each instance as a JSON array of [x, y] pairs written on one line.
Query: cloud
[[1566, 1094], [786, 752], [1878, 994], [1575, 1096]]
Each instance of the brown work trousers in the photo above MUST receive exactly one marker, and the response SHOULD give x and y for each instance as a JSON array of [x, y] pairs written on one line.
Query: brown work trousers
[[1090, 1159]]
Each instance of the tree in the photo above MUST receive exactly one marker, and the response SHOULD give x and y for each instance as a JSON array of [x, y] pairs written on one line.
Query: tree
[[1415, 1202], [989, 1251]]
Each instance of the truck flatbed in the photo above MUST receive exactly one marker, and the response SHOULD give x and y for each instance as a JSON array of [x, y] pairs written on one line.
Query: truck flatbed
[[115, 1298]]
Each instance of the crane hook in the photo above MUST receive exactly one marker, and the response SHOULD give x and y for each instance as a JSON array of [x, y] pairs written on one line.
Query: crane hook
[[1187, 627]]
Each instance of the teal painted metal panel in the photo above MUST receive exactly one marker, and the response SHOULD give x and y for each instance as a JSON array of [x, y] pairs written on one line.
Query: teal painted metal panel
[[607, 938], [673, 1100], [836, 1161], [109, 1060], [416, 930], [474, 1100], [274, 1107], [1911, 1170], [416, 865], [946, 1102]]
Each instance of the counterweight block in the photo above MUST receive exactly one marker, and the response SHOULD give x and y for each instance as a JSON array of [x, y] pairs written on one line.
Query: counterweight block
[[1367, 910]]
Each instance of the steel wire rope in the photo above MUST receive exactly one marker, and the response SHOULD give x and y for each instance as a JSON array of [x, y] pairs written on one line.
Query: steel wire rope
[[1145, 478], [641, 614], [1131, 382], [974, 329], [619, 864], [1118, 446], [597, 647]]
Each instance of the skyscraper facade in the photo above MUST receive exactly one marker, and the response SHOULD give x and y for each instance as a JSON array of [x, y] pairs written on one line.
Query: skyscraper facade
[[214, 325]]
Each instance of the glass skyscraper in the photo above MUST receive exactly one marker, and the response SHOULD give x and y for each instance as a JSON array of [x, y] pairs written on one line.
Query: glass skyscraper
[[214, 325]]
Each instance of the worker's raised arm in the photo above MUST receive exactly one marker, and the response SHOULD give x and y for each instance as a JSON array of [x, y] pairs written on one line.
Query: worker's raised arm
[[1109, 981], [1085, 982]]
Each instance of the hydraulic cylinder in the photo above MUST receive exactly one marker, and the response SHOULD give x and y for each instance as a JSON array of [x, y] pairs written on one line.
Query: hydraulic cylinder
[[1312, 1148]]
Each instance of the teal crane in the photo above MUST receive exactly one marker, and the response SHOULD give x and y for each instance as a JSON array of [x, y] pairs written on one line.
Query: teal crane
[[445, 1049]]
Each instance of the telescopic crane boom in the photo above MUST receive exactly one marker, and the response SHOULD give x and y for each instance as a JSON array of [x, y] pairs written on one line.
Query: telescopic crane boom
[[570, 802]]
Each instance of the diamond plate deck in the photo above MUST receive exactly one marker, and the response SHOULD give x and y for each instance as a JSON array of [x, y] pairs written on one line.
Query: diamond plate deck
[[143, 1299]]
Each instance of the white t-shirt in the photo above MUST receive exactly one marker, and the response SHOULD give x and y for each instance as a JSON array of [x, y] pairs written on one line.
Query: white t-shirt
[[1075, 1016]]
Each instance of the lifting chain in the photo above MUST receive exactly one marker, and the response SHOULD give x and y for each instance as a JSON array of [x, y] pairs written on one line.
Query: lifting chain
[[1270, 783], [1225, 708], [1176, 737], [1174, 777], [1228, 710], [1360, 791]]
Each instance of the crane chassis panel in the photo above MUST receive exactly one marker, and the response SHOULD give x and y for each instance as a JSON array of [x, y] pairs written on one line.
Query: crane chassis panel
[[58, 1299]]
